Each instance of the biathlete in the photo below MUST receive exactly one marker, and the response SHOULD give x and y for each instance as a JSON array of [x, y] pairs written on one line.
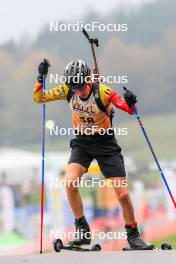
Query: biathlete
[[91, 107]]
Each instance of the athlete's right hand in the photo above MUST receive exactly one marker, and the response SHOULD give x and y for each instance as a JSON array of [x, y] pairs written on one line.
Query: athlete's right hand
[[43, 69]]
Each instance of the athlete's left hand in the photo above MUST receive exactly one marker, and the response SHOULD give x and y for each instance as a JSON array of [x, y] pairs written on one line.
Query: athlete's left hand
[[130, 98]]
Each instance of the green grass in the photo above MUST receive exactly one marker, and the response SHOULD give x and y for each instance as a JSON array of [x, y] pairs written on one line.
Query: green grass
[[59, 145], [149, 176], [161, 130]]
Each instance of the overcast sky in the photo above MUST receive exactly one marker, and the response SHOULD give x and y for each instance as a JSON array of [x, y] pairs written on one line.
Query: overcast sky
[[19, 17]]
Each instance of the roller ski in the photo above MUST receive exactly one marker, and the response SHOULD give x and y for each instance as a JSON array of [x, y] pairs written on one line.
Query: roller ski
[[164, 246], [82, 238], [136, 243], [58, 246]]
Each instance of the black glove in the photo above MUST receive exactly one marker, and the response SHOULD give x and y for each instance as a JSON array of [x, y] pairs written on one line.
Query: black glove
[[43, 69], [130, 98]]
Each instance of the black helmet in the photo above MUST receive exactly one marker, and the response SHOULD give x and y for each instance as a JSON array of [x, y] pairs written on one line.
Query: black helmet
[[75, 73]]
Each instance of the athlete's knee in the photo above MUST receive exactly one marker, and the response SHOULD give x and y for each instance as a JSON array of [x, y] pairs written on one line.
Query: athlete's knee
[[123, 197], [72, 184], [73, 176]]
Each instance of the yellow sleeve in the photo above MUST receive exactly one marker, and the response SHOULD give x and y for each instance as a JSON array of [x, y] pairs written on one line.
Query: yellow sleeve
[[105, 91], [57, 93]]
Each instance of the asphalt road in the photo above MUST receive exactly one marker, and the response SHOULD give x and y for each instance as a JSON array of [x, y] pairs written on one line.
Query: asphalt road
[[135, 257]]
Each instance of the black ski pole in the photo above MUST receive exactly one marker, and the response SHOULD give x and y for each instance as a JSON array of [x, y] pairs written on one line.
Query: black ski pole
[[93, 42]]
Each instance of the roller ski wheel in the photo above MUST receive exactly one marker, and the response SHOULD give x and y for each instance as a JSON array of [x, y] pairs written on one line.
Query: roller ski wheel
[[166, 246], [96, 247], [58, 245]]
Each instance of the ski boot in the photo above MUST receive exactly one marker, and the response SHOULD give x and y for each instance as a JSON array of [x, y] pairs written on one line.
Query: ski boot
[[134, 240], [82, 234]]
